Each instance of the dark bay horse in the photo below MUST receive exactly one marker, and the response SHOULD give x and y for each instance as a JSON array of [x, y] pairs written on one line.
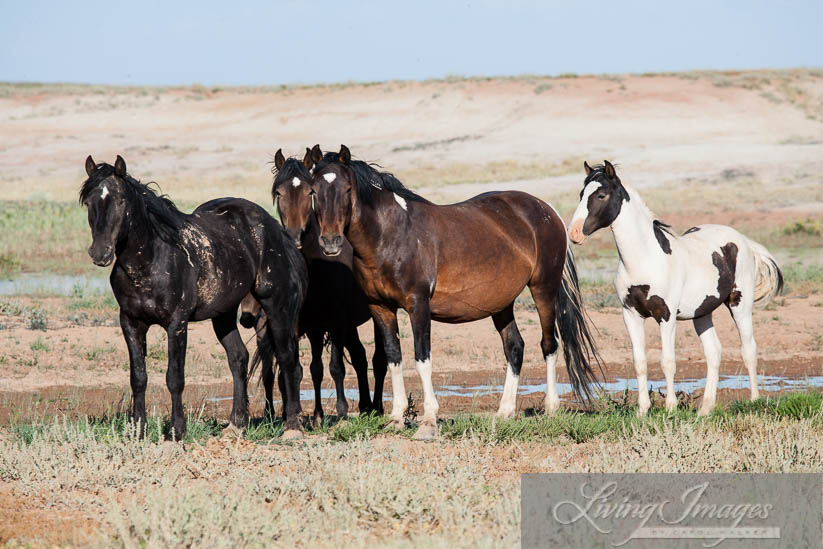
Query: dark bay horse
[[171, 268], [454, 263], [335, 304], [669, 278]]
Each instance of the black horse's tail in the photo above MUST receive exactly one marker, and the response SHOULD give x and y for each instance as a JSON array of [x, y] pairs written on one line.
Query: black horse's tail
[[579, 349], [263, 353]]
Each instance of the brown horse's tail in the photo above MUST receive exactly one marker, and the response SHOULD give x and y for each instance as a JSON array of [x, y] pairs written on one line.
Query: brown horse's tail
[[579, 349]]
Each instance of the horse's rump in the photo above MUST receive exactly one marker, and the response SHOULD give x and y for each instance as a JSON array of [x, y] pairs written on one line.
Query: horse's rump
[[489, 248]]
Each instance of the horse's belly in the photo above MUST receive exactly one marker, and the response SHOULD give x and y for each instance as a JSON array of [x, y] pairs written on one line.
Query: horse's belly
[[478, 302]]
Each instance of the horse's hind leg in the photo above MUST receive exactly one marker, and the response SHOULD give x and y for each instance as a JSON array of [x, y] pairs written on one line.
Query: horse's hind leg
[[712, 349], [284, 341], [742, 314], [264, 347], [361, 367], [316, 369], [225, 327], [513, 350], [545, 300]]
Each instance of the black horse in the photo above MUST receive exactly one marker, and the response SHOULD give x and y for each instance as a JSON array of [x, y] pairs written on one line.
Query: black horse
[[335, 304], [171, 268]]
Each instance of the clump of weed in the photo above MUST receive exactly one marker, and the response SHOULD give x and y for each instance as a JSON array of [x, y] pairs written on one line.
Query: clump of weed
[[39, 345], [807, 227], [37, 319]]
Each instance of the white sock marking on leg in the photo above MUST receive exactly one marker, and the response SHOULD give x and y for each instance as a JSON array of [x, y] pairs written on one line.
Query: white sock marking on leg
[[508, 402], [399, 399], [430, 406]]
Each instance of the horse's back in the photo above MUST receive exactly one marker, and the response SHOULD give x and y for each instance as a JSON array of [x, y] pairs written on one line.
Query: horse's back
[[719, 263]]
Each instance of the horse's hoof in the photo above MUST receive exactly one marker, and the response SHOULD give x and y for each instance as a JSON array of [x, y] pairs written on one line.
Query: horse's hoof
[[292, 434], [232, 431], [426, 432], [397, 424]]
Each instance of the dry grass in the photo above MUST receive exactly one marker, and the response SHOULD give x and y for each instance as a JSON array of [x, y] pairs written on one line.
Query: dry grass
[[373, 489]]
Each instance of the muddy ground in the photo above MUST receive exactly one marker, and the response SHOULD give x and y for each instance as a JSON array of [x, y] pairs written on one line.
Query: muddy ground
[[84, 369]]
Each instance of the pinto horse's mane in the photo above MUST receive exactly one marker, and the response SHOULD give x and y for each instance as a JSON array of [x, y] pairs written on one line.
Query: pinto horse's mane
[[368, 179], [292, 168], [600, 170], [155, 211]]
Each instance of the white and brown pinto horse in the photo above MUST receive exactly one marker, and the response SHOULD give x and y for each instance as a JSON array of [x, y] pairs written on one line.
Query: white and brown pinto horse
[[668, 278]]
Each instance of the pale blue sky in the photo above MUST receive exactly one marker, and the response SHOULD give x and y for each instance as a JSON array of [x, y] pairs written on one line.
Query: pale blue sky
[[288, 42]]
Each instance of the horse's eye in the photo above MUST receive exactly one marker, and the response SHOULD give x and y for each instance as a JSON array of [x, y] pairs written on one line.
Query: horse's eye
[[601, 196]]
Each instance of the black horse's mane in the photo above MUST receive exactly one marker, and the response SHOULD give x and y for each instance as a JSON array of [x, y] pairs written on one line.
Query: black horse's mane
[[156, 211], [292, 168], [369, 179], [599, 170]]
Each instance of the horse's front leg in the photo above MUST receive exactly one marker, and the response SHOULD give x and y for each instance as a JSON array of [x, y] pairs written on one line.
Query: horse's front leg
[[380, 366], [177, 333], [637, 333], [338, 373], [385, 321], [420, 315], [134, 332], [668, 330]]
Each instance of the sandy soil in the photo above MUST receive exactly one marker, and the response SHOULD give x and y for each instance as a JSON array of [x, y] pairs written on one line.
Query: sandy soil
[[200, 141]]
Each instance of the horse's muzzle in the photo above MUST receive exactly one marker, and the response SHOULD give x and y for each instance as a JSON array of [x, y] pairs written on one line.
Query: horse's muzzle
[[103, 259], [576, 234], [331, 246]]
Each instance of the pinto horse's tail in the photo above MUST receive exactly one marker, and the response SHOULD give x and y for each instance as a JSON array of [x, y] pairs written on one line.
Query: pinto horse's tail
[[769, 279], [579, 349]]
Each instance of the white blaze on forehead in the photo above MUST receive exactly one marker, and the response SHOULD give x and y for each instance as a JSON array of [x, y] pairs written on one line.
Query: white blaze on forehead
[[400, 200], [295, 182], [329, 177], [104, 193], [582, 211]]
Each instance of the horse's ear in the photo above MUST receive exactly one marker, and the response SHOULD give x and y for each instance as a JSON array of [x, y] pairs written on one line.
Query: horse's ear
[[316, 154], [609, 169], [90, 165], [344, 155], [587, 168], [120, 167], [279, 159], [307, 159]]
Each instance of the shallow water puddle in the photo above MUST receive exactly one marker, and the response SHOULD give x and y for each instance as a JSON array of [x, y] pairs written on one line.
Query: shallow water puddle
[[765, 383], [53, 284]]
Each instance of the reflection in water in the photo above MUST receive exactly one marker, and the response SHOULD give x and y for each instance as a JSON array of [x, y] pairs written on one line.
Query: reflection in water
[[765, 383]]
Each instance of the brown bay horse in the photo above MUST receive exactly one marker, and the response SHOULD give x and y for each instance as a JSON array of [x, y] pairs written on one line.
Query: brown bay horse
[[455, 263]]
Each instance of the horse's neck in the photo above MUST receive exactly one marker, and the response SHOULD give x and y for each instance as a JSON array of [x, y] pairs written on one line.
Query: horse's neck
[[633, 232], [139, 242], [366, 226]]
